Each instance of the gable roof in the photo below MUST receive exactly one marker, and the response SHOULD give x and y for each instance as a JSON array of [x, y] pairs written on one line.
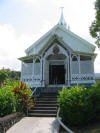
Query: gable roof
[[73, 41]]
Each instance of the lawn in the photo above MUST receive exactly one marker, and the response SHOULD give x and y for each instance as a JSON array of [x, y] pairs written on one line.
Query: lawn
[[97, 81], [92, 128]]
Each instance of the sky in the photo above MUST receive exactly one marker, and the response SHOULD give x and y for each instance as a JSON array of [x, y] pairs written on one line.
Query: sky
[[22, 22]]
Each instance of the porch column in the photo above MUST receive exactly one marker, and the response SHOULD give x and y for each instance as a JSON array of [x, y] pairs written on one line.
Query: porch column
[[33, 69], [92, 61], [43, 60], [21, 70], [41, 73], [68, 71], [79, 63], [79, 72], [70, 67]]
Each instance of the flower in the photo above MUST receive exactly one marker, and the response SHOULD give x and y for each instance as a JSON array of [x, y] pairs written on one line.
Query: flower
[[79, 105]]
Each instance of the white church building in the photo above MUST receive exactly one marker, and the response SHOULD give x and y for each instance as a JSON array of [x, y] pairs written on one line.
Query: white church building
[[59, 58]]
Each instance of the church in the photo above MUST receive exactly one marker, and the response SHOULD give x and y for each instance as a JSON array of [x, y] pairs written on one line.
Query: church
[[59, 58]]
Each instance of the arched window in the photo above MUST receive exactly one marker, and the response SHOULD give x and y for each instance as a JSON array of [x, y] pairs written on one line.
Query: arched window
[[74, 58], [37, 67], [37, 61]]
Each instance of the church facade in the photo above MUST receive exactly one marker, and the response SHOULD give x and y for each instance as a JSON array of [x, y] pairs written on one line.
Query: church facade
[[59, 58]]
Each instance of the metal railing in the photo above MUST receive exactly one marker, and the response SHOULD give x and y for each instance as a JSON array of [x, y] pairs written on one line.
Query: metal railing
[[62, 124], [33, 94]]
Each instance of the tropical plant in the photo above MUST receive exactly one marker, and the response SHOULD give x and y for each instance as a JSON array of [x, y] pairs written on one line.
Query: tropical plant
[[23, 94]]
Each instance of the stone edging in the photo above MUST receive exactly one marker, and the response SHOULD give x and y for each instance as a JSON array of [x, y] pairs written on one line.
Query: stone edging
[[9, 120]]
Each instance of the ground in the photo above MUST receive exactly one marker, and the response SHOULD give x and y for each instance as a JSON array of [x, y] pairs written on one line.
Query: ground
[[35, 125]]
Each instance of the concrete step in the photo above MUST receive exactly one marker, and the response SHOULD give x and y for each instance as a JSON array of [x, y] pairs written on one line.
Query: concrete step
[[43, 111], [46, 99], [48, 94], [51, 97], [41, 115], [45, 108], [46, 105], [46, 102]]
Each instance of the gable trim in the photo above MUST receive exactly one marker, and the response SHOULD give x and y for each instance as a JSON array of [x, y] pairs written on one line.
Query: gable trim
[[51, 41]]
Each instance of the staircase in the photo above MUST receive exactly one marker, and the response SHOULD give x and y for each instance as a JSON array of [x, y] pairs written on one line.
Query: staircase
[[45, 105]]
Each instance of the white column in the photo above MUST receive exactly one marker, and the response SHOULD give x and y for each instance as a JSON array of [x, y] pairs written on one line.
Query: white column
[[79, 72], [68, 70], [41, 70], [92, 60], [79, 64], [70, 76], [44, 71], [21, 70], [33, 71]]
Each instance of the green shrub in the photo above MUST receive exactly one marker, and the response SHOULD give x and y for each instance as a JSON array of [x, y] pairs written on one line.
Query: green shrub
[[3, 76], [7, 101], [80, 105], [11, 83], [14, 96]]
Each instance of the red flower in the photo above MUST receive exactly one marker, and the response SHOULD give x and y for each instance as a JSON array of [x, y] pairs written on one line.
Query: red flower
[[79, 105]]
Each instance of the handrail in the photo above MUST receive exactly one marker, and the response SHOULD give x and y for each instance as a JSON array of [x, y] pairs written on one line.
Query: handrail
[[62, 124], [34, 91], [30, 98]]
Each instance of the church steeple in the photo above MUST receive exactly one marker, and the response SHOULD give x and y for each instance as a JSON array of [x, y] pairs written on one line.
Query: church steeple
[[62, 20]]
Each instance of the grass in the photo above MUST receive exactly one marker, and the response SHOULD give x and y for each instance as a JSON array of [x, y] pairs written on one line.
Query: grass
[[98, 81], [91, 128]]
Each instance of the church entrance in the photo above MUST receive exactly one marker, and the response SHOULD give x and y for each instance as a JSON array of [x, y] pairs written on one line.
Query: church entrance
[[56, 74]]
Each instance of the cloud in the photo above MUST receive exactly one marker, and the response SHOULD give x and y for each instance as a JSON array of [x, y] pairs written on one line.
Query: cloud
[[12, 45]]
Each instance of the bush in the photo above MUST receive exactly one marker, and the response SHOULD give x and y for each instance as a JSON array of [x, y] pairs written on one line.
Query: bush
[[3, 77], [23, 94], [80, 105], [13, 97], [7, 101]]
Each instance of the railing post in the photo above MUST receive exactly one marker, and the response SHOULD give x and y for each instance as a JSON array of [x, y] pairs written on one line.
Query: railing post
[[27, 108]]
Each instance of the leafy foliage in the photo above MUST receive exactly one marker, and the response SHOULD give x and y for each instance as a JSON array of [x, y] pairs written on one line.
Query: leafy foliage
[[14, 75], [95, 26], [3, 76], [80, 105], [14, 96], [7, 101]]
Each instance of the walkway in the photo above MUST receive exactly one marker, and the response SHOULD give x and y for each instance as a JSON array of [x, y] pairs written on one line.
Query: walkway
[[35, 125]]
